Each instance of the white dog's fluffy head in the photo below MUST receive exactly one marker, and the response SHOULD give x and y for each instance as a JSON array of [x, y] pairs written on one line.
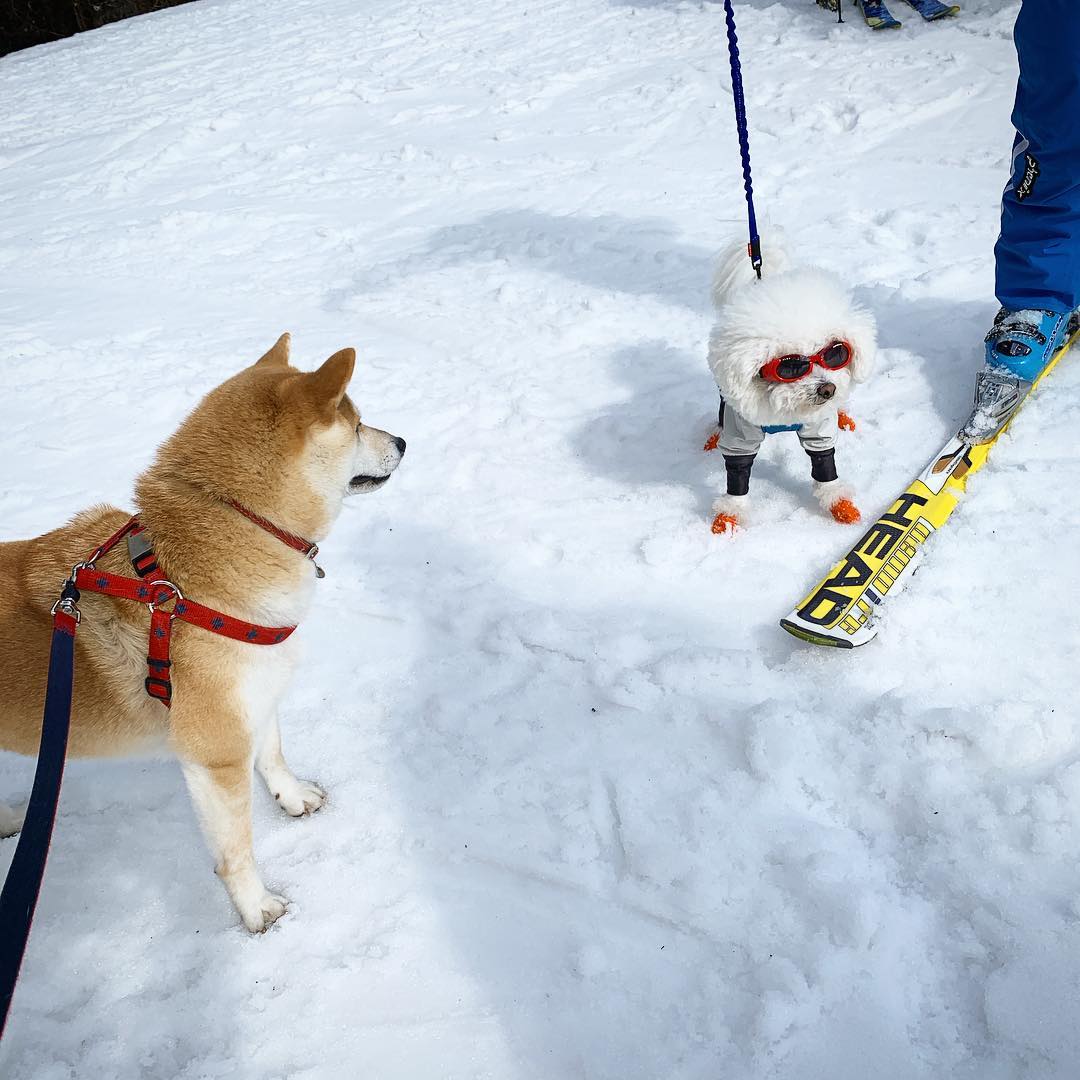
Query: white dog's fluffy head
[[787, 312]]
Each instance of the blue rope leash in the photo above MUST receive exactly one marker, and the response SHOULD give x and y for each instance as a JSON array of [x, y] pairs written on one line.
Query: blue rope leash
[[738, 97], [20, 893]]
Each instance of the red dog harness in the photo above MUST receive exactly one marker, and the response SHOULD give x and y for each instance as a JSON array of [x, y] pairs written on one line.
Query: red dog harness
[[159, 591], [19, 894]]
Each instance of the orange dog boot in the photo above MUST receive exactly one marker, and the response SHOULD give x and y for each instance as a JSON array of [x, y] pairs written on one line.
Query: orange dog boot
[[845, 511], [838, 500], [732, 513], [713, 441], [844, 422]]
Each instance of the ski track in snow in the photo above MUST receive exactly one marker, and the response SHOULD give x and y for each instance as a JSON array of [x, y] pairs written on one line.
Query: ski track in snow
[[591, 813]]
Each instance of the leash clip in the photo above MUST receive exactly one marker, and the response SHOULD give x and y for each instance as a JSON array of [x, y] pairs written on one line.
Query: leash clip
[[68, 607], [176, 595], [319, 571], [67, 602]]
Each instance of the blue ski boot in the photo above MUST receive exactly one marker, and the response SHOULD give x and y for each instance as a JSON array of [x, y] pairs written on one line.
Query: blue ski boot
[[877, 15], [934, 9], [1019, 347]]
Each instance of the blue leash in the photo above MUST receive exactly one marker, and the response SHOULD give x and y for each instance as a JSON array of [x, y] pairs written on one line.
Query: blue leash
[[754, 248], [20, 893]]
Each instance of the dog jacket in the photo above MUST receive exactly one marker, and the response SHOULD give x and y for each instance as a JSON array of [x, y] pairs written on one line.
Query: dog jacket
[[740, 438]]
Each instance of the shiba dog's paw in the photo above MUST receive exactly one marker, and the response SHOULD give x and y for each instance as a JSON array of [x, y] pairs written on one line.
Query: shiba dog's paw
[[11, 821], [261, 914], [299, 797], [258, 907], [838, 500]]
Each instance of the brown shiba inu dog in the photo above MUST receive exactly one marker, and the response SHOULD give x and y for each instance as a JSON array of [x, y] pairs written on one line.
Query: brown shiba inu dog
[[287, 447]]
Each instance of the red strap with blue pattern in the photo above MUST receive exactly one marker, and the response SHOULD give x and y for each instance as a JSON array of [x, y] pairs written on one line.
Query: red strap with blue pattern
[[155, 593]]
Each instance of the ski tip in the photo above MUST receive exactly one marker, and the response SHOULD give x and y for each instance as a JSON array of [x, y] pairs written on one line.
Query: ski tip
[[815, 639]]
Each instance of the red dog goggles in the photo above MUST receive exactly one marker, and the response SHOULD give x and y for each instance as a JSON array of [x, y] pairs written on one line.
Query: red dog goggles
[[783, 369]]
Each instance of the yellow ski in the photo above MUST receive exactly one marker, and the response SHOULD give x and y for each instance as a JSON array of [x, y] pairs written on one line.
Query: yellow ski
[[840, 610]]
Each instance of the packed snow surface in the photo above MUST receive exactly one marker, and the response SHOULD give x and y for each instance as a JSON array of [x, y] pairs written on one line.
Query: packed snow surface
[[592, 813]]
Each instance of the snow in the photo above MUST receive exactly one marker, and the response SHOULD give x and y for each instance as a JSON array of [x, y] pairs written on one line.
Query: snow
[[592, 814]]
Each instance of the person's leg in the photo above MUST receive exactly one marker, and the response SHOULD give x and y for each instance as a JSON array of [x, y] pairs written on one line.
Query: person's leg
[[1038, 252]]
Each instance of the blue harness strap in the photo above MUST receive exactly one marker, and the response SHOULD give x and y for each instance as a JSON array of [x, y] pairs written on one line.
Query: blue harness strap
[[20, 892], [775, 429]]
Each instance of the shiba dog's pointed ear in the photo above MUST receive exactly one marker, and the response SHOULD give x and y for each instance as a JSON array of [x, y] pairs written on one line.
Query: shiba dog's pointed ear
[[326, 387], [278, 356]]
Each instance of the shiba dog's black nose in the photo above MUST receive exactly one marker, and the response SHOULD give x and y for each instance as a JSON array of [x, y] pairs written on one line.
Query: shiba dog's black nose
[[400, 443], [826, 390]]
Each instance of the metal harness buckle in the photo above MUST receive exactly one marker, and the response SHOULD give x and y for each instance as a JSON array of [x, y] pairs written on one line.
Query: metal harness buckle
[[176, 595]]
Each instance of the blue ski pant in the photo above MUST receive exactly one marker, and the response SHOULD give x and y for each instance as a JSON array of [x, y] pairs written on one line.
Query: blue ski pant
[[1038, 251]]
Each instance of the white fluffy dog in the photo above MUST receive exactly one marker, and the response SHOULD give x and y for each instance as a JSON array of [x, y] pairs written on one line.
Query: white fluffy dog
[[786, 352]]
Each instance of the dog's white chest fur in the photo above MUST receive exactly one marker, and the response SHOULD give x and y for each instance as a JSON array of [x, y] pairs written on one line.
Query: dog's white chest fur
[[267, 669]]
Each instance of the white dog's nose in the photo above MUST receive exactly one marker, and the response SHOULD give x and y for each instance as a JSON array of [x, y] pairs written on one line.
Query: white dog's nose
[[826, 390]]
